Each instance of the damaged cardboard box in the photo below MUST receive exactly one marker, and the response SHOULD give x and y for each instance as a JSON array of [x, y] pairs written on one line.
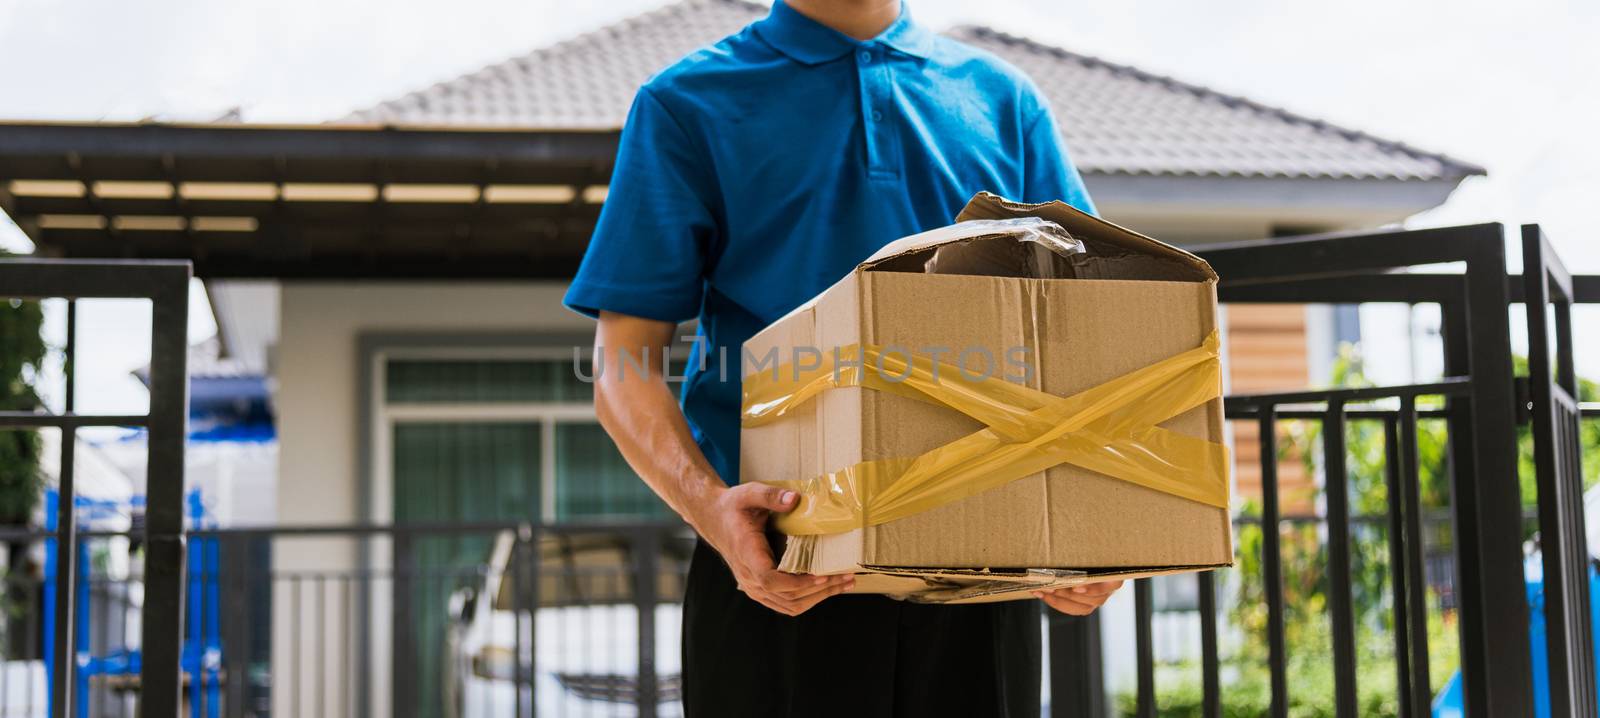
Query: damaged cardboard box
[[1062, 305]]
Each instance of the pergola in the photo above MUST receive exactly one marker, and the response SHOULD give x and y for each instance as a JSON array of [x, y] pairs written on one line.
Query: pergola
[[309, 201]]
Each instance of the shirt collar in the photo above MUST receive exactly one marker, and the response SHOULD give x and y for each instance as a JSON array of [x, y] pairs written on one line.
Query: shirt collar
[[810, 42]]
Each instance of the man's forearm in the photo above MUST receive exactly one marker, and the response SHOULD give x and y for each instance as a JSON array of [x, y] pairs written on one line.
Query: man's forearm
[[643, 418]]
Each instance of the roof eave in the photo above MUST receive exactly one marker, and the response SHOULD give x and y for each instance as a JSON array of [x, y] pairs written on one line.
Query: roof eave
[[1311, 201]]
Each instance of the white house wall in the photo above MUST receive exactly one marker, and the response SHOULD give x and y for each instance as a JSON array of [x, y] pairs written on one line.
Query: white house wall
[[316, 376]]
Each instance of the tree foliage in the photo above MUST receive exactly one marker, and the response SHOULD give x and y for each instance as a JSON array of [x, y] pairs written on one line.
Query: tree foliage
[[22, 353]]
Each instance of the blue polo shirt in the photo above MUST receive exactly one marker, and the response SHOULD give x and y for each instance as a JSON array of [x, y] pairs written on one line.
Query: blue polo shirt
[[756, 172]]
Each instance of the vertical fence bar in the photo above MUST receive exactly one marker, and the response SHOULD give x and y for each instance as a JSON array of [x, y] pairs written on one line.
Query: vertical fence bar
[[366, 596], [32, 642], [1564, 551], [197, 629], [100, 700], [519, 597], [1272, 561], [404, 658], [321, 633], [1416, 580], [1144, 643], [6, 653], [1336, 489], [66, 653], [1210, 661], [162, 632], [1077, 683], [1497, 682], [535, 567], [1459, 459], [646, 556], [235, 604], [62, 678], [69, 358], [347, 645], [1397, 565], [296, 660]]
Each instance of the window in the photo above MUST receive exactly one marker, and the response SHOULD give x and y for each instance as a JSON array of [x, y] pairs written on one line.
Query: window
[[498, 438]]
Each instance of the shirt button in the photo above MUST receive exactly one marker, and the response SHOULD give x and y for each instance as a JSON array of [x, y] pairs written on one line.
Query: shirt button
[[866, 56], [877, 116]]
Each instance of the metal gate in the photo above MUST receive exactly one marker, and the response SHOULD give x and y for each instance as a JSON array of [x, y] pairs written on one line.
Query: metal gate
[[1480, 403], [166, 285], [1553, 406], [1480, 406]]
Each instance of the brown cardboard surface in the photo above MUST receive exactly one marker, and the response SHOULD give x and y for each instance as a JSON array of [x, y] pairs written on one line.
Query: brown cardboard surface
[[1127, 302]]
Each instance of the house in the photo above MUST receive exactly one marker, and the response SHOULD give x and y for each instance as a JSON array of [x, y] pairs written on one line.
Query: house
[[1172, 159], [335, 256]]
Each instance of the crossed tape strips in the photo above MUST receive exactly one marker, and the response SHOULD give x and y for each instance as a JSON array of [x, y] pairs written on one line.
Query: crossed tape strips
[[1111, 429]]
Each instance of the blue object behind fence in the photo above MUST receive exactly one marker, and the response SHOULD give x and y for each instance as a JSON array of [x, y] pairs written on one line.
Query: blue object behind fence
[[1449, 702], [201, 660]]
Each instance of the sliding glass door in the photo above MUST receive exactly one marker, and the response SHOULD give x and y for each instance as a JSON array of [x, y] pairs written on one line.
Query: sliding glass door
[[487, 440]]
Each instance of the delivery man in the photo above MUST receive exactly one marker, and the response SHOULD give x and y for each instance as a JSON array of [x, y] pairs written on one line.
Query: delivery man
[[752, 175]]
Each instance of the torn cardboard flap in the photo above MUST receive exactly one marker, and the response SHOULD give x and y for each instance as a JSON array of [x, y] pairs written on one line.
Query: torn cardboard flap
[[1113, 305], [961, 586], [1015, 247], [1109, 239], [985, 586]]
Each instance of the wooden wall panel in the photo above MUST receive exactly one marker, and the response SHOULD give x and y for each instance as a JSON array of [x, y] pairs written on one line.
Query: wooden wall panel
[[1266, 353]]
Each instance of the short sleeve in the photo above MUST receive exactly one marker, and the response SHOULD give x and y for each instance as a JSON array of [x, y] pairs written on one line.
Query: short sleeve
[[648, 254], [1048, 171]]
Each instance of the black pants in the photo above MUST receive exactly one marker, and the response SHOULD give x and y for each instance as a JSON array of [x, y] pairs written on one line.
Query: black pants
[[853, 655]]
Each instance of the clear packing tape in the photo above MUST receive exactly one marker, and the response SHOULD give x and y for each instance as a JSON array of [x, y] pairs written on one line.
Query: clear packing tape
[[1112, 429]]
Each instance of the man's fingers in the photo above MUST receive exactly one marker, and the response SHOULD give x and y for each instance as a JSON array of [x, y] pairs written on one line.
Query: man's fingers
[[765, 574], [805, 604], [1104, 588], [827, 583], [1066, 601], [1064, 604], [789, 606], [795, 607], [773, 602], [762, 597], [759, 572], [771, 498], [1095, 600], [759, 569], [788, 584], [755, 558]]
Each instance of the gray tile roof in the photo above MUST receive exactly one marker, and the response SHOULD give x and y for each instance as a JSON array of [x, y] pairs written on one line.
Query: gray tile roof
[[1119, 119], [587, 82], [1116, 119]]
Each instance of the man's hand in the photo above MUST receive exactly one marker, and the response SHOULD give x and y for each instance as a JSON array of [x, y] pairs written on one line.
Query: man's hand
[[641, 414], [735, 525], [1079, 600]]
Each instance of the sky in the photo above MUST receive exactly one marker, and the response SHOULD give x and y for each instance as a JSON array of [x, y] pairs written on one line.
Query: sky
[[1510, 86]]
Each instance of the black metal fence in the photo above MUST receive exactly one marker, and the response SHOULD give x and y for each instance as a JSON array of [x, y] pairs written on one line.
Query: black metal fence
[[166, 285], [489, 619], [440, 621], [1480, 402], [458, 620]]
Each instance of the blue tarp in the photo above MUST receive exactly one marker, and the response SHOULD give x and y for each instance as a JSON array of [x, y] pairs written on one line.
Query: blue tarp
[[1449, 702]]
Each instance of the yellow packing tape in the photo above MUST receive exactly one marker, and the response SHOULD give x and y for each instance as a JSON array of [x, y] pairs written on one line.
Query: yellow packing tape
[[1111, 429]]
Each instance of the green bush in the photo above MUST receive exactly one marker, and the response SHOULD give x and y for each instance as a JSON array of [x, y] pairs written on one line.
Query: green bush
[[1246, 687]]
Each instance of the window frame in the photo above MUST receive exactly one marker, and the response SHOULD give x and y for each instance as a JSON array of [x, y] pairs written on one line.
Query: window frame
[[388, 415]]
